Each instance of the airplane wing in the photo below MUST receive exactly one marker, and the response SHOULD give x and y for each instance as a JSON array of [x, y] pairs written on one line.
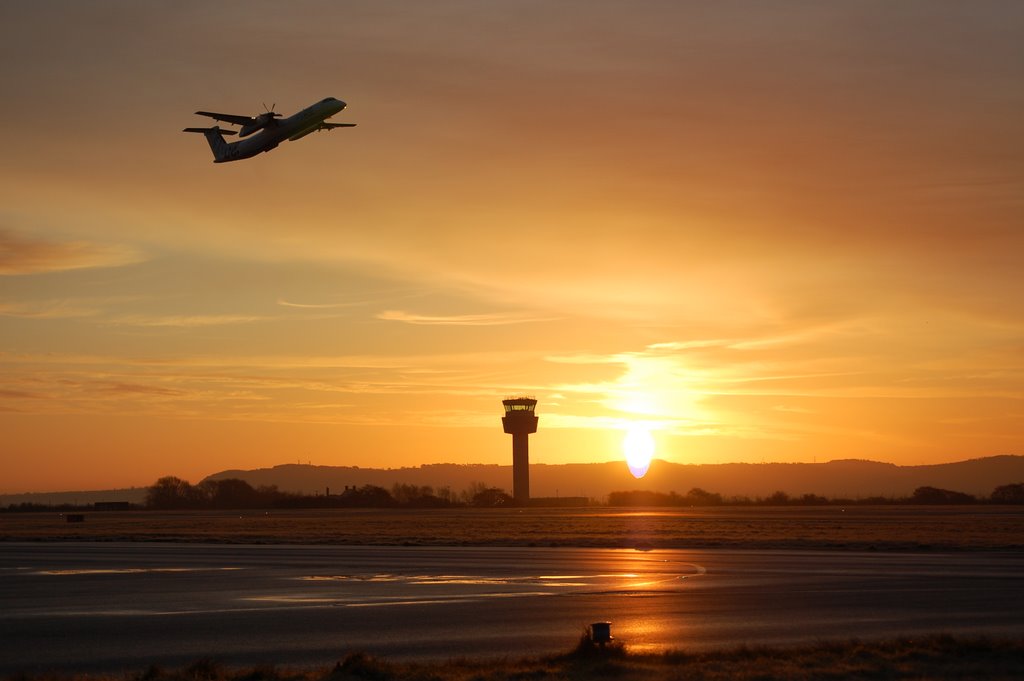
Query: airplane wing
[[320, 126], [228, 118]]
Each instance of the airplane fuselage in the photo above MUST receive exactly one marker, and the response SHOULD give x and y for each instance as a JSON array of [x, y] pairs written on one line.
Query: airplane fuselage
[[291, 128]]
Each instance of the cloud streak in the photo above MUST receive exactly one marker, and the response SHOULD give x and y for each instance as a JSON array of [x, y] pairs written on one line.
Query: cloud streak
[[458, 320], [49, 309], [23, 255], [186, 321], [317, 306]]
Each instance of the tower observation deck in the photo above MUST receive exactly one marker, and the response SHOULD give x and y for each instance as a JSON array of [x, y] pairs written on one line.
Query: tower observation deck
[[520, 421]]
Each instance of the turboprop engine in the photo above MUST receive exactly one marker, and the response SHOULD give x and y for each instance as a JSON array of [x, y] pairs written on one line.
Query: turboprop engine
[[258, 123]]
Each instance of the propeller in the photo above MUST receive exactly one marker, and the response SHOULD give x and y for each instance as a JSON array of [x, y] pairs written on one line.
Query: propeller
[[260, 121]]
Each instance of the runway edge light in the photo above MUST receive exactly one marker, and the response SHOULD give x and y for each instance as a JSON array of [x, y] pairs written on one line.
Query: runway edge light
[[601, 632]]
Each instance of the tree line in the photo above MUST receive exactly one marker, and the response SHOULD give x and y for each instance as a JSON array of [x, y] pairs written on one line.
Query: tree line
[[1004, 494], [170, 493], [175, 493]]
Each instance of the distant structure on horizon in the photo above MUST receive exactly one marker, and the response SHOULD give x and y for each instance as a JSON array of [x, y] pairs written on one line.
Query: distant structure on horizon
[[520, 421]]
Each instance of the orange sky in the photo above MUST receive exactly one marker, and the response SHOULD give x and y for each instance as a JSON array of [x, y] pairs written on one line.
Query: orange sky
[[771, 231]]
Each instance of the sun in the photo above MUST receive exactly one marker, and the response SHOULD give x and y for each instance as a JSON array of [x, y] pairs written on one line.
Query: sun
[[638, 446]]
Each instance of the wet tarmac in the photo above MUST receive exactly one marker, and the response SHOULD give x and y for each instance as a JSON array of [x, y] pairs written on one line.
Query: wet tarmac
[[118, 606]]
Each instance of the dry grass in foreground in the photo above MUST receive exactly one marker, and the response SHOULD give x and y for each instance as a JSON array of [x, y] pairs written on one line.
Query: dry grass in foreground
[[937, 657], [862, 528]]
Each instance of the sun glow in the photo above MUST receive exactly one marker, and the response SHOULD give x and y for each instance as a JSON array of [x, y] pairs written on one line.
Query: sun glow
[[638, 446]]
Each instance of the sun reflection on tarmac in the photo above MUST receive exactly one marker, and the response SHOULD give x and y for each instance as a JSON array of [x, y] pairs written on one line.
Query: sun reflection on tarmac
[[649, 574]]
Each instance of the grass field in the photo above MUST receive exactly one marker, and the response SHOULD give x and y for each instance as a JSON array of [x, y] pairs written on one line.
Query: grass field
[[881, 528], [934, 657]]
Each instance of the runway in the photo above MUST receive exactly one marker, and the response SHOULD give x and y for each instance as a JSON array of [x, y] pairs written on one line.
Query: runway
[[116, 606]]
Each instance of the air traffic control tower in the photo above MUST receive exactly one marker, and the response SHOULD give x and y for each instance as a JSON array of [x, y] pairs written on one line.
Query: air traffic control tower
[[519, 421]]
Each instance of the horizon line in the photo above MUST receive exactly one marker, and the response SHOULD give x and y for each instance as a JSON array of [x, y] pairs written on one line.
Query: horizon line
[[509, 465]]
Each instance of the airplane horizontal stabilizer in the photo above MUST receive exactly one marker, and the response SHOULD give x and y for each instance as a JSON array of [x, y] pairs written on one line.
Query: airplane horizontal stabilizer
[[214, 128]]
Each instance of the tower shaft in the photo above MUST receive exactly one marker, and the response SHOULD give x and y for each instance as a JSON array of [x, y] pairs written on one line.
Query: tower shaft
[[521, 468]]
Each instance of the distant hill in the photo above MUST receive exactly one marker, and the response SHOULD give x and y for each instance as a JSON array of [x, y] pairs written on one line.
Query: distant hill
[[834, 479]]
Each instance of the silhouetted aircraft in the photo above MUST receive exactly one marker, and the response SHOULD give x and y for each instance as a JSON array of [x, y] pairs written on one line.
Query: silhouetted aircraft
[[271, 129]]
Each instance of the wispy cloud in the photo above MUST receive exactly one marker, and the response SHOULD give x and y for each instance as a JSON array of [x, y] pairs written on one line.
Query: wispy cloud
[[788, 409], [49, 309], [186, 321], [585, 358], [20, 254], [408, 364], [457, 320], [139, 389], [62, 308], [18, 395], [317, 306]]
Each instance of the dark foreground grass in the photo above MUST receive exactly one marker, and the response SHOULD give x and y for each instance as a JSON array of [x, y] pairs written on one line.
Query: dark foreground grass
[[860, 528], [937, 657]]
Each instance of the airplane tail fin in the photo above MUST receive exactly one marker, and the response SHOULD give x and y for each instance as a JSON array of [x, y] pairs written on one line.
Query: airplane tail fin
[[215, 136]]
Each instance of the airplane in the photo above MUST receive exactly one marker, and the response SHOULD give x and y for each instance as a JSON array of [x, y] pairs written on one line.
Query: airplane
[[268, 129]]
